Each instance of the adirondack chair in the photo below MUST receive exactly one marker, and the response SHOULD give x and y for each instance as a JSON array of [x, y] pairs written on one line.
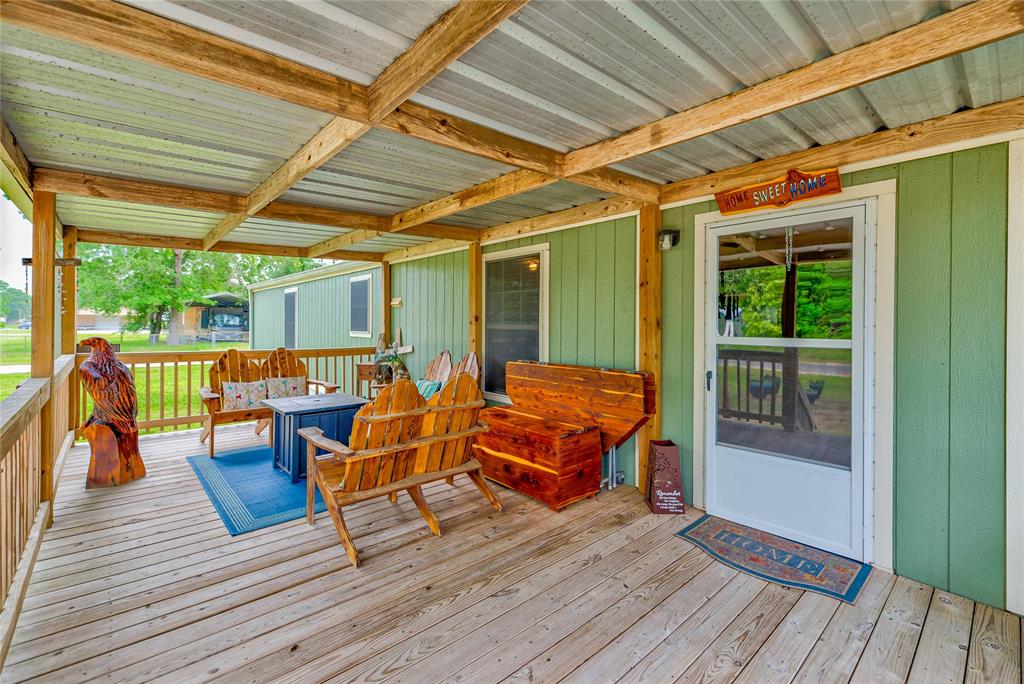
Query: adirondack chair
[[282, 363], [440, 367], [231, 366], [469, 364], [398, 442]]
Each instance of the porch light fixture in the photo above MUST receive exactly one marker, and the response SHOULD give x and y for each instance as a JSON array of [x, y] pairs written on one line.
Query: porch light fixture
[[667, 239]]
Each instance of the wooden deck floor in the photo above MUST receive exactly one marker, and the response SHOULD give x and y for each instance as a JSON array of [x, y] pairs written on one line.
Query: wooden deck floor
[[143, 583]]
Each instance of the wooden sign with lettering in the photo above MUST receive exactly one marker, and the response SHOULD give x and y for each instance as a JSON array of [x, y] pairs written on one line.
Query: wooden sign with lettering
[[664, 484], [795, 186]]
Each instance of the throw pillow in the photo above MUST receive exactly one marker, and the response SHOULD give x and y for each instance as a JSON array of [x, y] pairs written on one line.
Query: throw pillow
[[278, 388], [243, 395], [428, 388]]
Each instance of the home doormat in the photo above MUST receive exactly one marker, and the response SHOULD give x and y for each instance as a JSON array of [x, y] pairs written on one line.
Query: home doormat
[[777, 559], [248, 491]]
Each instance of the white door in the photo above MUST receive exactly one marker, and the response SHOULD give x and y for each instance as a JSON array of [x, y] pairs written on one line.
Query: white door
[[784, 374]]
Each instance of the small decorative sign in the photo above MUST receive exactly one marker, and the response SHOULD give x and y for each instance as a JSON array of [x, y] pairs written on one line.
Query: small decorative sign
[[664, 484], [795, 186]]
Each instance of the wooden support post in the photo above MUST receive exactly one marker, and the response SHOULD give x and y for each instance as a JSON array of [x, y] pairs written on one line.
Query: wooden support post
[[474, 312], [69, 312], [44, 217], [385, 273], [650, 327]]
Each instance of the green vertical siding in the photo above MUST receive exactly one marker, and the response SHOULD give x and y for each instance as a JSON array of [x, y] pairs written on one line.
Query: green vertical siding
[[591, 299], [322, 311], [950, 339], [433, 312]]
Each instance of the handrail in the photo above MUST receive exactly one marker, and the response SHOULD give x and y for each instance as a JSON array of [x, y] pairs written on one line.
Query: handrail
[[62, 367], [17, 410], [168, 383]]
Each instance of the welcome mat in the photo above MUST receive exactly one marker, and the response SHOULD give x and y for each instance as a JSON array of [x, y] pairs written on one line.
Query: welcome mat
[[779, 560], [248, 491]]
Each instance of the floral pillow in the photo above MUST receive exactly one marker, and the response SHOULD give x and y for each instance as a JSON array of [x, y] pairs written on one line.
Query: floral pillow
[[278, 388], [243, 395]]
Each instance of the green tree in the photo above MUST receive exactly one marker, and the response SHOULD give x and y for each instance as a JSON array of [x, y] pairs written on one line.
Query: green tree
[[14, 304]]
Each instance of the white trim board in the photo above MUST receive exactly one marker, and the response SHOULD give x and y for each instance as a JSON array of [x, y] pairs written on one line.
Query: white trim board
[[1015, 380], [883, 381], [968, 144]]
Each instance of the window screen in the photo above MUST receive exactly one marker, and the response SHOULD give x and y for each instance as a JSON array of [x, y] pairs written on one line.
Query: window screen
[[512, 319], [360, 306]]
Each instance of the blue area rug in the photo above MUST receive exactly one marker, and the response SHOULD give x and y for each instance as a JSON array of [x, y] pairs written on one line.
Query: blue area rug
[[777, 559], [248, 491]]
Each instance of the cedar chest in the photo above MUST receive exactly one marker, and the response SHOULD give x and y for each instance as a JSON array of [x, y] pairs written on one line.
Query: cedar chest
[[548, 443]]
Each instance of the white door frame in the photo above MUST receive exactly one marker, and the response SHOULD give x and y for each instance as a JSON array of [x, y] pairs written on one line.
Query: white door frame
[[880, 276]]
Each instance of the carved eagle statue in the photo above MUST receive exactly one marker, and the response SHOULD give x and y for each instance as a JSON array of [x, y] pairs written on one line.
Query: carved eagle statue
[[112, 387]]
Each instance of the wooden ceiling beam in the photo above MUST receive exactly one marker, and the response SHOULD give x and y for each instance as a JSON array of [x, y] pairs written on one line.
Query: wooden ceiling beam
[[116, 237], [338, 134], [80, 184], [587, 213], [426, 249], [451, 36], [14, 159], [113, 27], [489, 191], [952, 33], [998, 118]]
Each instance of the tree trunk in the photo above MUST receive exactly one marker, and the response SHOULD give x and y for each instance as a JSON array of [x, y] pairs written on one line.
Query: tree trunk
[[176, 323]]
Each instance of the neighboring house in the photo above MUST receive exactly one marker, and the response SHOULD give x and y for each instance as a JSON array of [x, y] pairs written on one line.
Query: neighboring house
[[226, 319], [333, 306], [87, 319]]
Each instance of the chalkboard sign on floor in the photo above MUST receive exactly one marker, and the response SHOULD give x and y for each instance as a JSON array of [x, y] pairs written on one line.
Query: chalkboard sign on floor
[[664, 483]]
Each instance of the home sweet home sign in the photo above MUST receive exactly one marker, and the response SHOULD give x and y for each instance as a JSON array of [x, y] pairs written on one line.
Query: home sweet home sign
[[795, 186]]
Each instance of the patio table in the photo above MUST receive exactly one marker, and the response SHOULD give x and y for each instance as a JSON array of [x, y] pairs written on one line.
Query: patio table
[[332, 413]]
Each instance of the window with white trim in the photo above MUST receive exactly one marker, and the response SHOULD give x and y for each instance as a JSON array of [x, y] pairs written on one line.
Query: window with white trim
[[515, 312], [360, 305]]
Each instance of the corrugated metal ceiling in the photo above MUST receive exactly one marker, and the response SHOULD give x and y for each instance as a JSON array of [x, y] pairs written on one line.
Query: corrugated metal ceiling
[[564, 73], [100, 214]]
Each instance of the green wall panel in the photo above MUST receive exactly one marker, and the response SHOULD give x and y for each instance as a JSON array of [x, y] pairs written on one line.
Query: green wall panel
[[322, 310], [950, 338], [433, 312], [591, 300]]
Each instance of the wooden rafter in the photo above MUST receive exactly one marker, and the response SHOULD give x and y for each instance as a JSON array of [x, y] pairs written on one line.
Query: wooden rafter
[[338, 134], [116, 237], [968, 27], [1000, 117], [82, 184], [425, 249], [567, 217], [451, 36], [489, 191], [14, 159]]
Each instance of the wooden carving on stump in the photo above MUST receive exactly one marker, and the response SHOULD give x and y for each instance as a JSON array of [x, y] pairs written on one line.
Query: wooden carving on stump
[[111, 430]]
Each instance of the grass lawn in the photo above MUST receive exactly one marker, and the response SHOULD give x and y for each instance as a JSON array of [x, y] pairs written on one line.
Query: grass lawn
[[9, 382], [15, 345]]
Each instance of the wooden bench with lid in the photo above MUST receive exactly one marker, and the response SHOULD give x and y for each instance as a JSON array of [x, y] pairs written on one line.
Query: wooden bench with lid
[[548, 443]]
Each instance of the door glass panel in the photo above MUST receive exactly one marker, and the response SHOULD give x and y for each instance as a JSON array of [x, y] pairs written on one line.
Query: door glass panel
[[753, 282], [786, 401], [512, 320]]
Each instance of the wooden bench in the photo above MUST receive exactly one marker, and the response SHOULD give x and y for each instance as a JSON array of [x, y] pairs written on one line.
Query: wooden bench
[[548, 443], [398, 442]]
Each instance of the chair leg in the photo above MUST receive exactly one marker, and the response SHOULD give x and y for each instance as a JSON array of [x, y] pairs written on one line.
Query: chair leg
[[211, 437], [205, 433], [393, 497], [478, 479], [261, 425], [432, 522], [346, 538], [450, 480]]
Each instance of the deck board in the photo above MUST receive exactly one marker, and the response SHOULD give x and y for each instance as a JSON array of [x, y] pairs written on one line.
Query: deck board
[[142, 583]]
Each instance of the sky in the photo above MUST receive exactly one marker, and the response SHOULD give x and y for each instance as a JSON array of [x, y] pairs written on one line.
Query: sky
[[15, 243]]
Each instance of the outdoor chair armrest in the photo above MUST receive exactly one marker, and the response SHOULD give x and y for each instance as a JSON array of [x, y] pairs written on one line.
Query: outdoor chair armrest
[[207, 394], [315, 436], [329, 387]]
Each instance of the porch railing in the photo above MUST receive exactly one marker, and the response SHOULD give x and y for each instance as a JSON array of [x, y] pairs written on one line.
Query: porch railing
[[167, 383], [40, 408]]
